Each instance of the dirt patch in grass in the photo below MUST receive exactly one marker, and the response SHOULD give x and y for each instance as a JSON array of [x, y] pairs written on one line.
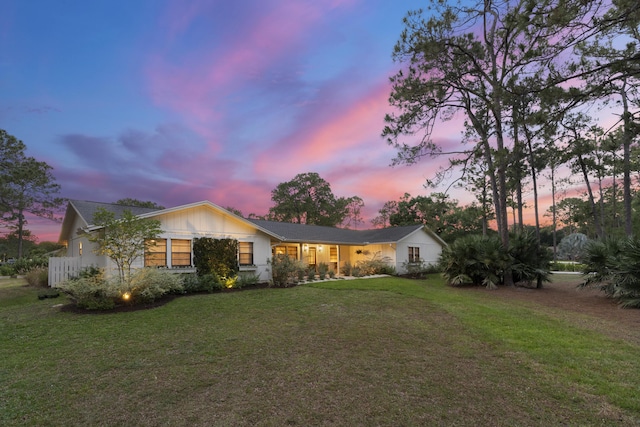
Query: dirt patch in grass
[[585, 307]]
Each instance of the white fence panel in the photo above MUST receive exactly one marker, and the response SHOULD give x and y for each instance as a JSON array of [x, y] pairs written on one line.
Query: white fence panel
[[61, 268]]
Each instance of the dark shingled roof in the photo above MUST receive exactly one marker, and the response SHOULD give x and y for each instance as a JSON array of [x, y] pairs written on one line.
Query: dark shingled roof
[[320, 234], [285, 231], [87, 209]]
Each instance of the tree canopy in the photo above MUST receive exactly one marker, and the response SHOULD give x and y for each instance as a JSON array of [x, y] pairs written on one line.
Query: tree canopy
[[27, 186], [437, 211], [308, 199], [139, 203]]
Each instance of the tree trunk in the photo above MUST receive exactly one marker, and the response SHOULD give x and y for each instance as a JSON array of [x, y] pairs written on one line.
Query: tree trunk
[[627, 136], [20, 230], [534, 180], [592, 203], [554, 220]]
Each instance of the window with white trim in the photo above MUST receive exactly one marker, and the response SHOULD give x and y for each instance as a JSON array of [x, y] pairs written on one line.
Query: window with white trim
[[414, 254], [245, 253], [180, 253], [290, 251], [156, 254]]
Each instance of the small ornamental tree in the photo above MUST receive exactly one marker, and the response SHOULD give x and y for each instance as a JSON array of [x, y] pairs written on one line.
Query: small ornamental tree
[[123, 239]]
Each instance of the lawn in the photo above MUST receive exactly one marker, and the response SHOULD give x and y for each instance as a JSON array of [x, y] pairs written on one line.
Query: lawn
[[384, 351]]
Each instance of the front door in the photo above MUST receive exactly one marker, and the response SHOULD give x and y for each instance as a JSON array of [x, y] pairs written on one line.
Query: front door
[[311, 258]]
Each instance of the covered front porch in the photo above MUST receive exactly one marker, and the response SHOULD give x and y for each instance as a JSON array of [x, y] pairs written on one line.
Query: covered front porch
[[336, 256]]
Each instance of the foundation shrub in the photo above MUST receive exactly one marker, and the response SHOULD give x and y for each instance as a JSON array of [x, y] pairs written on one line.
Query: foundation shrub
[[347, 269], [323, 269], [375, 265], [300, 273], [217, 256], [247, 279], [148, 284], [193, 283], [356, 272], [91, 292], [420, 269], [311, 273], [284, 270]]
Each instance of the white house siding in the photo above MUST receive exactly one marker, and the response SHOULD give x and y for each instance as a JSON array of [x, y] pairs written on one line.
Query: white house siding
[[385, 251], [77, 241], [430, 249], [204, 221]]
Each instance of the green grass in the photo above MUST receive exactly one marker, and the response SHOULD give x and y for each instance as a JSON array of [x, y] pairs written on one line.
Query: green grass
[[360, 352]]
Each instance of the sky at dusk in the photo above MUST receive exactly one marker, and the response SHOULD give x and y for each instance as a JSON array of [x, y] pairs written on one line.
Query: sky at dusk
[[178, 101]]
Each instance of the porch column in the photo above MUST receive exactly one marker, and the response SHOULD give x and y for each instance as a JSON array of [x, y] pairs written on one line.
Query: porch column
[[168, 254]]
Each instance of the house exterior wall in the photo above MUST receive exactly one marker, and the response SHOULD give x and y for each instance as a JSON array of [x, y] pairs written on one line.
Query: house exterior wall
[[430, 249], [79, 246], [187, 224], [203, 221], [355, 254]]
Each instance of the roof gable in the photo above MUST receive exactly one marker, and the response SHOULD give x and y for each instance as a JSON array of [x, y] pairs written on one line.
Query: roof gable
[[85, 210]]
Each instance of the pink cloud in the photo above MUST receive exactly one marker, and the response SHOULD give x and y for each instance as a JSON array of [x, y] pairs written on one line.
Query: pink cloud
[[350, 126], [198, 83]]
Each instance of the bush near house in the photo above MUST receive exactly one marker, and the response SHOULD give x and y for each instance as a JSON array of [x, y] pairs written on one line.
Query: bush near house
[[372, 266], [148, 284], [91, 291], [194, 283], [216, 256], [419, 270], [285, 271], [323, 269], [347, 269]]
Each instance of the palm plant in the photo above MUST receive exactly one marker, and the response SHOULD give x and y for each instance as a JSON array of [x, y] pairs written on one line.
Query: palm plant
[[613, 266], [476, 260], [530, 261]]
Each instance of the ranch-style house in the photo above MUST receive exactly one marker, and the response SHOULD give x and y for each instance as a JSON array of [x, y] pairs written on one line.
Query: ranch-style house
[[258, 240]]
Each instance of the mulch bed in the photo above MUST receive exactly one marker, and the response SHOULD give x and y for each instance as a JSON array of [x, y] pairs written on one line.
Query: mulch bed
[[72, 308]]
